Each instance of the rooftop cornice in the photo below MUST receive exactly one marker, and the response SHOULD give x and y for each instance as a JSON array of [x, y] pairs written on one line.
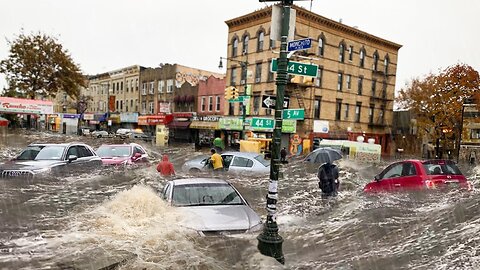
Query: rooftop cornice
[[313, 17]]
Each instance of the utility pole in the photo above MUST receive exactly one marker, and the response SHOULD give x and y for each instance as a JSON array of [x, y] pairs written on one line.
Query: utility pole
[[269, 241]]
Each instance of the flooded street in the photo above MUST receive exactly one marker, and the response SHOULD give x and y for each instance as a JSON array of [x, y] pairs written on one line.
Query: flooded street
[[47, 221]]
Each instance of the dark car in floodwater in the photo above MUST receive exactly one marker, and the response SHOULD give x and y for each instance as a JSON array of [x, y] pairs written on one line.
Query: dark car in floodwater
[[417, 175], [42, 159]]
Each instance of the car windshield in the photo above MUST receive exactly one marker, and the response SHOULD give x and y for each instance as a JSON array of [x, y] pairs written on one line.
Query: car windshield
[[30, 153], [438, 167], [205, 194], [113, 151], [51, 152], [260, 159]]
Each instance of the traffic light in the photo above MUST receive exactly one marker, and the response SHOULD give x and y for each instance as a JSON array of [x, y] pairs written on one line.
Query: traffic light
[[229, 92], [235, 93]]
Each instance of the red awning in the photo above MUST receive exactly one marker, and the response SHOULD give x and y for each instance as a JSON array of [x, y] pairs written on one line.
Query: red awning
[[179, 124]]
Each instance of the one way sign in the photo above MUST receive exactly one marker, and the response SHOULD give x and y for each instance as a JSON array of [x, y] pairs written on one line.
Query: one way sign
[[269, 102]]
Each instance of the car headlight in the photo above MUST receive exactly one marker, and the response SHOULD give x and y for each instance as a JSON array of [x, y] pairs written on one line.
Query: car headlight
[[256, 228]]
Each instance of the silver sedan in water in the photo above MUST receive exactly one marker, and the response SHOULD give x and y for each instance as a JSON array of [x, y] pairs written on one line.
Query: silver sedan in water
[[235, 162], [211, 206]]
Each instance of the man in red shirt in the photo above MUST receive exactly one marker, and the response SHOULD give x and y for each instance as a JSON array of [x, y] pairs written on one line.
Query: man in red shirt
[[165, 167]]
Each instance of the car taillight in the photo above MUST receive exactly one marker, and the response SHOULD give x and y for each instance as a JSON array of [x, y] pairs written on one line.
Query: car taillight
[[429, 184]]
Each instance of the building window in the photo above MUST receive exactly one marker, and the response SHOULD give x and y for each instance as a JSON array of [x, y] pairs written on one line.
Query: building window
[[136, 105], [475, 134], [161, 86], [121, 86], [121, 105], [152, 89], [382, 114], [234, 47], [347, 108], [317, 106], [169, 86], [318, 81], [375, 61], [131, 103], [136, 84], [272, 44], [358, 110], [210, 103], [370, 113], [217, 104], [256, 105], [231, 108], [243, 79], [362, 57], [144, 89], [340, 81], [350, 53], [233, 76], [270, 73], [151, 107], [258, 72], [341, 52], [360, 85], [116, 105], [384, 89], [144, 107], [321, 46], [203, 104], [245, 44], [349, 81], [338, 109], [374, 87], [260, 39], [386, 61]]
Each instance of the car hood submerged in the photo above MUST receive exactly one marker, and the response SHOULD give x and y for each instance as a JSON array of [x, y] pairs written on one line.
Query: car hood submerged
[[219, 217], [30, 165]]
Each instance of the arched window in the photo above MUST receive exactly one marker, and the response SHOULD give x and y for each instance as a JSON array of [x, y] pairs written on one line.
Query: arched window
[[362, 57], [321, 45], [260, 39], [341, 52], [245, 44], [234, 47], [375, 60], [386, 61]]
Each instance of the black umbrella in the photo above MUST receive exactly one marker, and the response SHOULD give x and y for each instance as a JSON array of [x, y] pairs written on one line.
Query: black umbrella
[[324, 155]]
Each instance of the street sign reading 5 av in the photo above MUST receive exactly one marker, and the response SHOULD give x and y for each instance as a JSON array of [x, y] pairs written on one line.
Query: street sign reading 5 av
[[297, 114]]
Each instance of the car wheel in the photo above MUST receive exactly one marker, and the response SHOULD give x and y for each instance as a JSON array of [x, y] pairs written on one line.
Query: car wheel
[[194, 170], [99, 136]]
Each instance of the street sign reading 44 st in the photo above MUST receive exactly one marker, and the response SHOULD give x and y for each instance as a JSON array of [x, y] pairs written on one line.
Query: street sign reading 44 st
[[269, 102], [297, 68], [262, 123]]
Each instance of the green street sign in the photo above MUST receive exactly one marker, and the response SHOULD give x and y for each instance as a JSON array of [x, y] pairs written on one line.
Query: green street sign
[[297, 114], [262, 123], [239, 99], [297, 68]]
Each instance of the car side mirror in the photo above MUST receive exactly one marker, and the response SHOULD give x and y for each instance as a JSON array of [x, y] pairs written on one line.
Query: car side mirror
[[377, 177], [72, 158]]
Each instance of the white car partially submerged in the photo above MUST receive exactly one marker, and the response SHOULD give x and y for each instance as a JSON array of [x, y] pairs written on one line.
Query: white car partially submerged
[[211, 206]]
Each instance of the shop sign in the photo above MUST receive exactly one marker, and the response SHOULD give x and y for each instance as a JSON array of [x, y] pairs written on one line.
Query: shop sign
[[164, 107], [154, 119], [70, 116], [207, 118], [320, 126], [88, 116], [230, 123], [129, 117], [289, 126], [28, 106], [183, 114]]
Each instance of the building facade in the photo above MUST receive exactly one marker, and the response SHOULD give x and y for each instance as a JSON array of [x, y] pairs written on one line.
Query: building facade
[[351, 95]]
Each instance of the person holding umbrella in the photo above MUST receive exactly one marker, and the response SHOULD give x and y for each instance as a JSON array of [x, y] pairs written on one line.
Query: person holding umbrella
[[327, 172]]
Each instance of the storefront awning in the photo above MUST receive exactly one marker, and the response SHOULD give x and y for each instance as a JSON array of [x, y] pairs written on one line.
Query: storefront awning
[[204, 125], [179, 124]]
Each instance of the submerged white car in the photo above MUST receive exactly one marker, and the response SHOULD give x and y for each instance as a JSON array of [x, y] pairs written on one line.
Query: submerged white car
[[211, 206]]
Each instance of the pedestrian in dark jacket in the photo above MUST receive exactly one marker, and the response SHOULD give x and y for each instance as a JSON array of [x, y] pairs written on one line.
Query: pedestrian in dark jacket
[[283, 155], [328, 179], [165, 167]]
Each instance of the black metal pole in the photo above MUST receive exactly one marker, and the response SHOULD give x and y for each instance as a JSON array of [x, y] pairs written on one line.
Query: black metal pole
[[269, 241]]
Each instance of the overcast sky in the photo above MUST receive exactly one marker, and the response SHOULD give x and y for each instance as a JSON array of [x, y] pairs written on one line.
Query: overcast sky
[[104, 35]]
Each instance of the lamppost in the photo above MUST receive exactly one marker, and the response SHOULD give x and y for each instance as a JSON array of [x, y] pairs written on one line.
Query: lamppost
[[244, 65]]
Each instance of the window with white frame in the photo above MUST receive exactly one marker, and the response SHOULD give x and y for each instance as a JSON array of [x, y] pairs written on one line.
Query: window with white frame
[[210, 103], [144, 88], [152, 89], [203, 104], [161, 86], [151, 107], [217, 104], [144, 107], [169, 86], [349, 81]]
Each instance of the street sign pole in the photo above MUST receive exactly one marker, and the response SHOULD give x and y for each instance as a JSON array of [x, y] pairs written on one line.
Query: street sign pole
[[269, 241]]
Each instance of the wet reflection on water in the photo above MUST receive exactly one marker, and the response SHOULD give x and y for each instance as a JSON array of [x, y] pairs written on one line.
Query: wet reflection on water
[[46, 220]]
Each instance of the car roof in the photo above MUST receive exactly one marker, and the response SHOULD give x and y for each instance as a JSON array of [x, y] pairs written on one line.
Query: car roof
[[56, 144], [121, 144], [189, 181], [242, 154]]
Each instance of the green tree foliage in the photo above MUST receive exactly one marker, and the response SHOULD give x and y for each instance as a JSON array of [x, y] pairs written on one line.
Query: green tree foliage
[[39, 66], [436, 101]]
